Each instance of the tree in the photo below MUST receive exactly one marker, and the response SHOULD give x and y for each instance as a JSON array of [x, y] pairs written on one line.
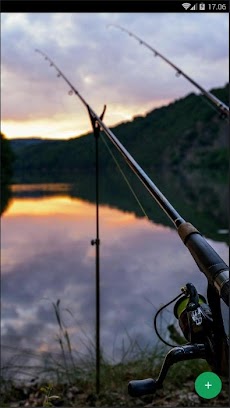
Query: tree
[[7, 158]]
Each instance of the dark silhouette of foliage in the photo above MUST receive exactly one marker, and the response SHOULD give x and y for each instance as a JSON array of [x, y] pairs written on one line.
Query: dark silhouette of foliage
[[7, 158]]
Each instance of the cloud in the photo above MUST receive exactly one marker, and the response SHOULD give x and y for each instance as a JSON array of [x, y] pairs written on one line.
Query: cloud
[[105, 64]]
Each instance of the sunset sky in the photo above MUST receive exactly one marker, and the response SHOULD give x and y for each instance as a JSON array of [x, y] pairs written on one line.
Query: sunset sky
[[104, 64]]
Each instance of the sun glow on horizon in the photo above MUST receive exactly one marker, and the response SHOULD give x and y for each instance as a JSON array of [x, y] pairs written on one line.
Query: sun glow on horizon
[[43, 128], [67, 127]]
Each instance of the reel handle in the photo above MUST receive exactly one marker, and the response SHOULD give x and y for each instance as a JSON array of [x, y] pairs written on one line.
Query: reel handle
[[138, 388]]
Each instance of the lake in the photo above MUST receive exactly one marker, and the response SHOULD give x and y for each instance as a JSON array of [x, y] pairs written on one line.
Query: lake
[[47, 255]]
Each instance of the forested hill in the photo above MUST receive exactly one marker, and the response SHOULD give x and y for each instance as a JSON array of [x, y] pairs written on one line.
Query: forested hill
[[186, 135]]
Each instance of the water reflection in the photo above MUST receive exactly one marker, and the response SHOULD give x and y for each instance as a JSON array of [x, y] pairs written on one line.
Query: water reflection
[[47, 255]]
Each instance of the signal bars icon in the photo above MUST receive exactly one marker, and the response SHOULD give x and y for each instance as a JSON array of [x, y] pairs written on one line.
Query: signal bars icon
[[186, 5], [194, 7]]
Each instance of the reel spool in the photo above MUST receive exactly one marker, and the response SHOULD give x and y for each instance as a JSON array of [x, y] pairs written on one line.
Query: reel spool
[[194, 315]]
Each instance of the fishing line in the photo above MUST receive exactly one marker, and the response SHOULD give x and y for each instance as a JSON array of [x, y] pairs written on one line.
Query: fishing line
[[125, 178], [155, 320], [219, 105]]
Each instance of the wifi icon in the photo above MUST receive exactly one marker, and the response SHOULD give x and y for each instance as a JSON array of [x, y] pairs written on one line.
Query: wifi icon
[[186, 5]]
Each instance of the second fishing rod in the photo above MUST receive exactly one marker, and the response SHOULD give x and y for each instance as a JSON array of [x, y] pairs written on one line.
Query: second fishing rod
[[208, 261], [219, 105]]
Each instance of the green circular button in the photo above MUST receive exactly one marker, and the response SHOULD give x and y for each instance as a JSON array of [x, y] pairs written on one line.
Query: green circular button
[[208, 385]]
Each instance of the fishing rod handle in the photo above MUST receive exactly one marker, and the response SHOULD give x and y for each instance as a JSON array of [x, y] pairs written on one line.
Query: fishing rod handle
[[224, 291], [208, 261]]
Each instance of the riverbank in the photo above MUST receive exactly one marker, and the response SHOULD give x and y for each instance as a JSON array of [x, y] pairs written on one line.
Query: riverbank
[[68, 379], [77, 389]]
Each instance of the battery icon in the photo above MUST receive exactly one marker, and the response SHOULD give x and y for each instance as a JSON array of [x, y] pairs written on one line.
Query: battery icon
[[202, 6]]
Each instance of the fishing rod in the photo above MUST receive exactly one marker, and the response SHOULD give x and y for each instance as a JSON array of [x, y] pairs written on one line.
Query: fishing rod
[[207, 259], [201, 324], [221, 106]]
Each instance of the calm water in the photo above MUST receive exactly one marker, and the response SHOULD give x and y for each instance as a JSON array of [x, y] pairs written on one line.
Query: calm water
[[47, 255]]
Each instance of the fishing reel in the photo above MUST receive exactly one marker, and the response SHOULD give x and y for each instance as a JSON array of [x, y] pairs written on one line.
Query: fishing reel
[[202, 326], [194, 315]]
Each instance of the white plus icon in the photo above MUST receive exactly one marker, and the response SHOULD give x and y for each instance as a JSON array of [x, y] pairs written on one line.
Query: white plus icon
[[208, 385]]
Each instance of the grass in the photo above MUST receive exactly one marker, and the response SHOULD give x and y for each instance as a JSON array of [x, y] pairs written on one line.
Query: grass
[[66, 380]]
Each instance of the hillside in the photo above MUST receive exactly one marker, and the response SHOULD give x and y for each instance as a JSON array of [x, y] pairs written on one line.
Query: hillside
[[187, 134]]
